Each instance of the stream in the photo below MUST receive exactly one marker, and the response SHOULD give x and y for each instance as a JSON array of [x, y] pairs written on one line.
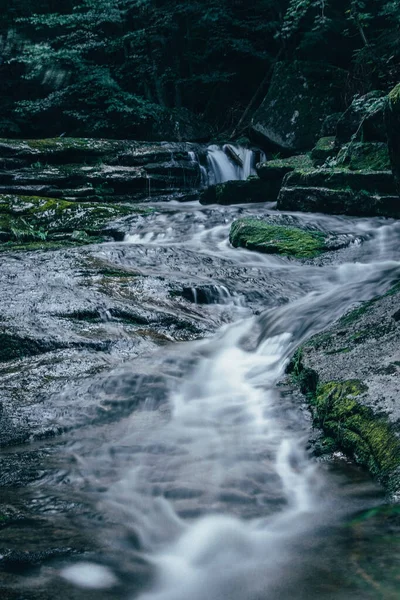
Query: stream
[[185, 470]]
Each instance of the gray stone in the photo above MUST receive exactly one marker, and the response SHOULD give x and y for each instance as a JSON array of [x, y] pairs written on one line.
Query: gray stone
[[300, 97]]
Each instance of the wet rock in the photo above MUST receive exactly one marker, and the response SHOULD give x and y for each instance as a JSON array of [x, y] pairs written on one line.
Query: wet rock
[[393, 132], [262, 236], [364, 119], [207, 294], [273, 171], [97, 169], [300, 97], [340, 191], [323, 150], [240, 192], [355, 368], [33, 219], [358, 156]]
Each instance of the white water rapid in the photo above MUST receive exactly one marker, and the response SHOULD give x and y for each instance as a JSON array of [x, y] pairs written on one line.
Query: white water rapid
[[199, 468]]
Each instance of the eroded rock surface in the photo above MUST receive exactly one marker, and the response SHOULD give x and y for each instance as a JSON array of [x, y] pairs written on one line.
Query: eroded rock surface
[[350, 373]]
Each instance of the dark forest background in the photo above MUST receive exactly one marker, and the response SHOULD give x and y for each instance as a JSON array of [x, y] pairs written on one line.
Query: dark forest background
[[116, 67]]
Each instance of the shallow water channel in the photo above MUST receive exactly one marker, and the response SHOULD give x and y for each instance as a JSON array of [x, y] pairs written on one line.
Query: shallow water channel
[[184, 470]]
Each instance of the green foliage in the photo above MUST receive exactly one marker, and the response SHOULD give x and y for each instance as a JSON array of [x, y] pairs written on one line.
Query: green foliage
[[111, 66]]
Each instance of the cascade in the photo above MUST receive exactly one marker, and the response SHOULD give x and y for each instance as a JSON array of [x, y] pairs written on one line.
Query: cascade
[[227, 163]]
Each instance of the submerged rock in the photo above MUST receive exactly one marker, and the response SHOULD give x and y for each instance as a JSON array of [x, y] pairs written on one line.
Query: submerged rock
[[263, 236], [340, 191], [350, 376], [300, 97]]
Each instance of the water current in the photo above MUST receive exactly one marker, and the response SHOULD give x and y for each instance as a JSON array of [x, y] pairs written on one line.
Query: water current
[[200, 483]]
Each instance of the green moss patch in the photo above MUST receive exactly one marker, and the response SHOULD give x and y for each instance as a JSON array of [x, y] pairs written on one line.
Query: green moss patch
[[369, 438], [323, 149], [359, 432], [372, 156], [27, 221], [276, 168], [255, 234]]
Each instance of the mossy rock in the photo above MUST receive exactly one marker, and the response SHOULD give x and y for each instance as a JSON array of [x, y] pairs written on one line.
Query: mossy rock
[[255, 234], [369, 156], [380, 182], [370, 439], [240, 192], [348, 424], [31, 219], [276, 169], [301, 95], [338, 202], [340, 191], [364, 120], [323, 149]]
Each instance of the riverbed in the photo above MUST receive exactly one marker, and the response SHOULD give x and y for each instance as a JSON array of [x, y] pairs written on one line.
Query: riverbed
[[183, 467]]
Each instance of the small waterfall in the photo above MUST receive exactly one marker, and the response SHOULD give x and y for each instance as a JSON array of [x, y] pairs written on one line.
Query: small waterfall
[[227, 163], [230, 162], [203, 171]]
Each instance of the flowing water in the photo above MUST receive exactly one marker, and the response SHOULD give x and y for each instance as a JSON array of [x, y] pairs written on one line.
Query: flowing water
[[198, 482]]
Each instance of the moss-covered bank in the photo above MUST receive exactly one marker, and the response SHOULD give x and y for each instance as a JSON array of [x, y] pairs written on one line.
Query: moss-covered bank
[[349, 425]]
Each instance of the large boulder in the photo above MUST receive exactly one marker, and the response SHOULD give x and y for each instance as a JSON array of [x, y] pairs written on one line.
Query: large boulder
[[393, 132], [364, 119], [300, 97], [272, 172]]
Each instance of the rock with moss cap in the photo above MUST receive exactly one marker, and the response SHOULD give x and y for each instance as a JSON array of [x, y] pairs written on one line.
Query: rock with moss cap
[[273, 171], [97, 169], [350, 375], [393, 132], [367, 156], [364, 120], [324, 149], [271, 238], [30, 221], [340, 191], [300, 97]]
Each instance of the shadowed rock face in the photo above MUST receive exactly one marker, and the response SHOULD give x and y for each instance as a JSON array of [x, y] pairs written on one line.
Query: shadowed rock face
[[300, 97], [340, 191], [363, 119], [95, 170]]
